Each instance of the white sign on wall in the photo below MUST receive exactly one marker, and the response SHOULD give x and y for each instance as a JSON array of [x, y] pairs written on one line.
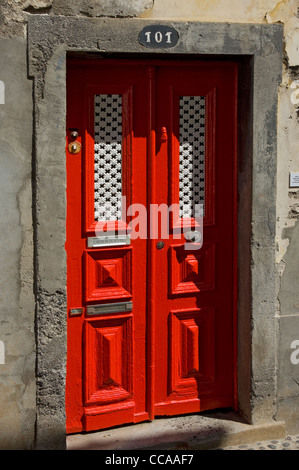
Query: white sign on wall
[[294, 180]]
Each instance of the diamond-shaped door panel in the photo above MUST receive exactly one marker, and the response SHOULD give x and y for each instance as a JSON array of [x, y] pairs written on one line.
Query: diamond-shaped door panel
[[108, 274], [192, 271]]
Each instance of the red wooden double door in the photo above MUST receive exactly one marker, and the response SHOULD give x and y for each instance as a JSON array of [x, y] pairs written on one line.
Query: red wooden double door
[[151, 151]]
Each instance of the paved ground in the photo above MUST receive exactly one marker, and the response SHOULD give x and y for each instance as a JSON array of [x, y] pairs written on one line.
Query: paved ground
[[288, 443]]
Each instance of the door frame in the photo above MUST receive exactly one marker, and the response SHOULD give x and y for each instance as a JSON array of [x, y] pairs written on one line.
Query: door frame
[[258, 49]]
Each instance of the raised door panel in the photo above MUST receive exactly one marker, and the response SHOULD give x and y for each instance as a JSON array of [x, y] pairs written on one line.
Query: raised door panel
[[108, 274], [192, 346], [108, 366]]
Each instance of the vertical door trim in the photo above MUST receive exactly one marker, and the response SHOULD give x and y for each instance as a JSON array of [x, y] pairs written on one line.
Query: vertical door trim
[[151, 73]]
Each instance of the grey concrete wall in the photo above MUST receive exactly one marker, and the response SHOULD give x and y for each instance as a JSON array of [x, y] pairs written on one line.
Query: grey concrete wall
[[50, 207], [268, 321], [288, 373], [17, 306]]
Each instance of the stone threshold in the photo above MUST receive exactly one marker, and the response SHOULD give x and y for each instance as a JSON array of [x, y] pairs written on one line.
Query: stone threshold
[[205, 431]]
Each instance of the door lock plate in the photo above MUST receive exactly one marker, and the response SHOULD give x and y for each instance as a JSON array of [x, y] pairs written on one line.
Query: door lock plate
[[160, 245]]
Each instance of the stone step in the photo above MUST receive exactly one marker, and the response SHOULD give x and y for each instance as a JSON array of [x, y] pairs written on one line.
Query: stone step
[[194, 432]]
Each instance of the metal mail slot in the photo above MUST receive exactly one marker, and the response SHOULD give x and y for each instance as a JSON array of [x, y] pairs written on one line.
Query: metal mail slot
[[109, 308], [108, 240]]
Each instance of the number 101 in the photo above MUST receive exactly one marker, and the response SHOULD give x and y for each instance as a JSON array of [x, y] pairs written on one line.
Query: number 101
[[158, 37]]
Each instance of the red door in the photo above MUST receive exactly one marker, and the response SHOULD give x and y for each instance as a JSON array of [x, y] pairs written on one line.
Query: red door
[[151, 306]]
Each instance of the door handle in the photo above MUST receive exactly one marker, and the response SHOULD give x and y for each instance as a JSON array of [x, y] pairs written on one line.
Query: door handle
[[193, 236]]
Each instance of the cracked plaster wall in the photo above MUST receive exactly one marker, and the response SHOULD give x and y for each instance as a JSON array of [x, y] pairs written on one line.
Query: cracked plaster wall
[[17, 373], [16, 279]]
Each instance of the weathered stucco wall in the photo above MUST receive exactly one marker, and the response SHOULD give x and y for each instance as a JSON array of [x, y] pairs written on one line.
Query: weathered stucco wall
[[17, 374], [17, 319]]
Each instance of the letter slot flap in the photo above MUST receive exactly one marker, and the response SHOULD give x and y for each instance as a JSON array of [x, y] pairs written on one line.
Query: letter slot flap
[[102, 309]]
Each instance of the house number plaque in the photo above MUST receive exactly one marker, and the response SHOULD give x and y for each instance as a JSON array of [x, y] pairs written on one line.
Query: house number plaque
[[158, 36]]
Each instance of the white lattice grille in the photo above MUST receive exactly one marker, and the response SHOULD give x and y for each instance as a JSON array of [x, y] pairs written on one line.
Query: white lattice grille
[[192, 154], [107, 157]]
